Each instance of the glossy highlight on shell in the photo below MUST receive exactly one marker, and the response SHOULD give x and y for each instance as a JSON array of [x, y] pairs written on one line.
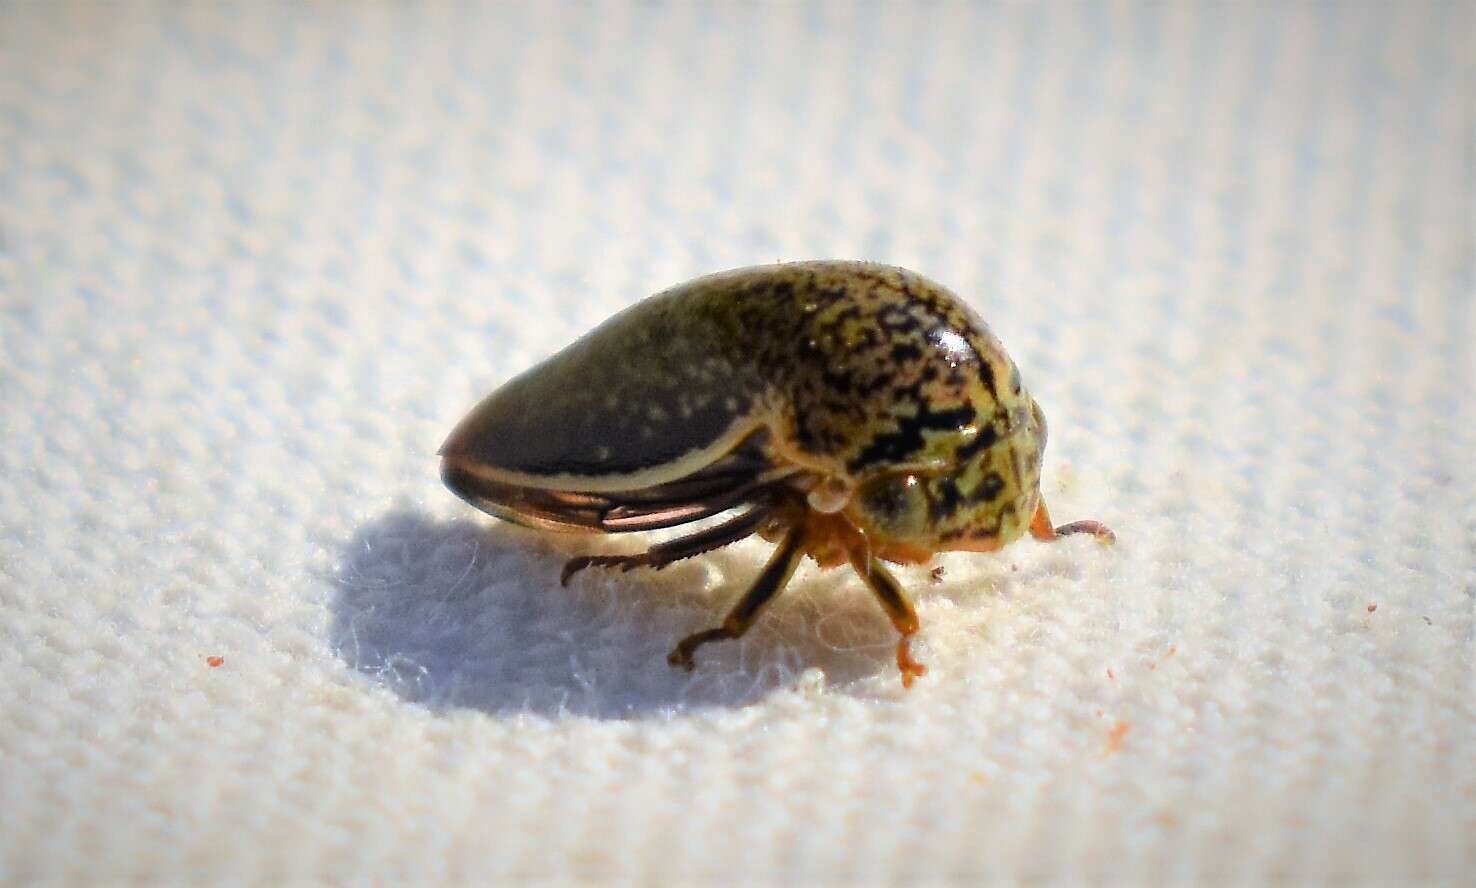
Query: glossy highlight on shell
[[851, 412]]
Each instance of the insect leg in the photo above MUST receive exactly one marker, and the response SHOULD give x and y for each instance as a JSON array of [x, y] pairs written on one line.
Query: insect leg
[[775, 574], [894, 601], [1041, 529], [661, 555]]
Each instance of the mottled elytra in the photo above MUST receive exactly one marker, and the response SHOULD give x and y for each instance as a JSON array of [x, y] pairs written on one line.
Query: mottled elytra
[[852, 412]]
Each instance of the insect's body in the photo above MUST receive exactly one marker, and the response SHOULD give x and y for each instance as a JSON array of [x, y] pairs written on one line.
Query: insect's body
[[859, 411]]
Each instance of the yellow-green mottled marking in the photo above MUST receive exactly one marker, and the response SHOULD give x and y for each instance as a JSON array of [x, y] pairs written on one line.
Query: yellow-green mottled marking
[[869, 378]]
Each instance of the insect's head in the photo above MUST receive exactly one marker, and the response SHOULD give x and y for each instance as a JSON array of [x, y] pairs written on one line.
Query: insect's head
[[978, 496]]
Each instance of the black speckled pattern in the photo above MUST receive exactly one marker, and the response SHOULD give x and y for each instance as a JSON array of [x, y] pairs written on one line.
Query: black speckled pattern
[[857, 369]]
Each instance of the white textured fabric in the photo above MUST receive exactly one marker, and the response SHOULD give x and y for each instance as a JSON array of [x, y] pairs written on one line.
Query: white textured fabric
[[256, 261]]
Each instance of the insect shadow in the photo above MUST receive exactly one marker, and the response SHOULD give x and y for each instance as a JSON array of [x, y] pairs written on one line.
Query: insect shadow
[[470, 614]]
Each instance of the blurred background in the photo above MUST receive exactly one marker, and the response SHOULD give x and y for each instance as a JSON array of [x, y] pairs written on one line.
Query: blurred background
[[256, 260]]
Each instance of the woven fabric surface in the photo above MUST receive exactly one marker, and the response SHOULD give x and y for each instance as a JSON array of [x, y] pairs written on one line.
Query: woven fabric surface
[[255, 262]]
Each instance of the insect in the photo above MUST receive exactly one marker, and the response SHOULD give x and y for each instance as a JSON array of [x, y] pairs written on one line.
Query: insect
[[851, 412]]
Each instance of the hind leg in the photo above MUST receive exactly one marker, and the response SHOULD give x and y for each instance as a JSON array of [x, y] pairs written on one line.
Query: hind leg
[[661, 555]]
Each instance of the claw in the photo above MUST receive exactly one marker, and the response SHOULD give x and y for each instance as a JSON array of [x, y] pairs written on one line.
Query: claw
[[572, 567], [910, 668], [681, 658]]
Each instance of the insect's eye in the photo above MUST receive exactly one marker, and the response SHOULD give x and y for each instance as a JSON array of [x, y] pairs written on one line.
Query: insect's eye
[[895, 506]]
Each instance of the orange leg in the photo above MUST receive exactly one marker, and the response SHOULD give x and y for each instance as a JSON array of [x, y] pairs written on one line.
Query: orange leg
[[895, 602], [1041, 529]]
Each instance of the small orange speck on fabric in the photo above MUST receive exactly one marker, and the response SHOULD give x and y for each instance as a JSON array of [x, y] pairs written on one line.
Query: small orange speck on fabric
[[979, 778], [1111, 676], [1115, 737], [214, 661]]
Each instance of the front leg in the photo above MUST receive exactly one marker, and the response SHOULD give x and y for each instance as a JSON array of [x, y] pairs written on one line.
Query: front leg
[[899, 610], [1041, 529]]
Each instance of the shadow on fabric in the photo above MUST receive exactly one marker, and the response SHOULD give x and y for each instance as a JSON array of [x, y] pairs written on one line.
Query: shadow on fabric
[[470, 614]]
